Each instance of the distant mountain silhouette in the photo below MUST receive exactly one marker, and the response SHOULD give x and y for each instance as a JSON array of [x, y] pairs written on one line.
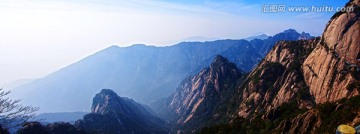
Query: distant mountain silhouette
[[261, 37], [144, 73], [198, 39]]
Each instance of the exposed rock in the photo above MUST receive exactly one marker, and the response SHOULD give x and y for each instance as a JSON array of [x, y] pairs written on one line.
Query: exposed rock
[[298, 87], [325, 70], [334, 64], [113, 114], [308, 122], [199, 98], [277, 80]]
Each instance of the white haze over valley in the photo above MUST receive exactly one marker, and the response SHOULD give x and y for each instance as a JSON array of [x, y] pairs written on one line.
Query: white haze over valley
[[41, 36]]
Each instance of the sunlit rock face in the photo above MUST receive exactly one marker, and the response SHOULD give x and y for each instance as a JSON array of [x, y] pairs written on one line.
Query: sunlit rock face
[[278, 79], [198, 98], [332, 69]]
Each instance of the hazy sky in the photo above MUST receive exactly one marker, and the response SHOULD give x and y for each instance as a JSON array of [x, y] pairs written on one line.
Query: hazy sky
[[38, 37]]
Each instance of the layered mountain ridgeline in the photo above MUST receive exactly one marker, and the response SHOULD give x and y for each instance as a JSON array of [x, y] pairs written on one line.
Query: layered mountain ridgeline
[[260, 36], [144, 73], [263, 46], [200, 99], [113, 114], [239, 97]]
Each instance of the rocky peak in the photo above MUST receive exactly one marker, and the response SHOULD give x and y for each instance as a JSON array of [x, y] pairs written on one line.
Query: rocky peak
[[286, 35], [220, 71], [290, 34], [106, 99], [290, 31], [223, 66], [198, 97], [219, 60], [111, 113], [305, 36], [332, 70]]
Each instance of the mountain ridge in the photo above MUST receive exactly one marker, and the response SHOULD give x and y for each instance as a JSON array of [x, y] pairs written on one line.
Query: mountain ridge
[[306, 86], [196, 99], [160, 70]]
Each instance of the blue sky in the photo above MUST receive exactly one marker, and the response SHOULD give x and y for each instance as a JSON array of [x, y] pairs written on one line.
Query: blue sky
[[41, 36]]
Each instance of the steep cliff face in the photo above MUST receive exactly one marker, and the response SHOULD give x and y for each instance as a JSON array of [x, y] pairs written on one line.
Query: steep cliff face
[[277, 80], [199, 98], [113, 114], [332, 70]]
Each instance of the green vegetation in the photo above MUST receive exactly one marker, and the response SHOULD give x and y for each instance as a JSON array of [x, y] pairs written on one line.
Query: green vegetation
[[335, 114], [288, 111], [256, 76], [353, 85], [331, 116], [256, 125]]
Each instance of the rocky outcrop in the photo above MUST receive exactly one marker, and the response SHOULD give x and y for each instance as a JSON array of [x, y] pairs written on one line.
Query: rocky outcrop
[[113, 114], [277, 80], [199, 98], [308, 122], [332, 70]]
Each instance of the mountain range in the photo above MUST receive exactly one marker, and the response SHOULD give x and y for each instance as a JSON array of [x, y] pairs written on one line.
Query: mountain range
[[144, 73], [302, 85]]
